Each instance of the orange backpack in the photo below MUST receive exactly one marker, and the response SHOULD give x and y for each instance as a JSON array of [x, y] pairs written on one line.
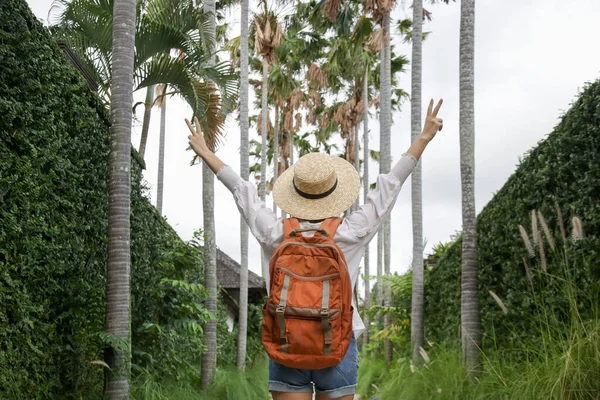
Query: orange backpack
[[307, 320]]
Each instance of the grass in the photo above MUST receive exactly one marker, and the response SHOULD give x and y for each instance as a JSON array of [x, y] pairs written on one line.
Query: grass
[[569, 371], [229, 384], [561, 361]]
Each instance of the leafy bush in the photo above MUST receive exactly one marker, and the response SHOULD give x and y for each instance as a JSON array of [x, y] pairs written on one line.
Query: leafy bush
[[563, 170], [227, 341], [54, 144]]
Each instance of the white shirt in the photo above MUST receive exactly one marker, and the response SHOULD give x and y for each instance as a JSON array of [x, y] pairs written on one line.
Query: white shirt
[[352, 236]]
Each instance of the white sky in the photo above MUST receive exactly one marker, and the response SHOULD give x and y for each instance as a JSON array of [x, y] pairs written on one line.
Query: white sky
[[531, 58]]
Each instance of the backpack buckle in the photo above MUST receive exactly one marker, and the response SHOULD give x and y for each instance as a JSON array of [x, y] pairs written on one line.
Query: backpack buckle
[[324, 312], [280, 309]]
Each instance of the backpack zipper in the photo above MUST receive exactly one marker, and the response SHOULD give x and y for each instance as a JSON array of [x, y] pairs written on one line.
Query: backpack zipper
[[314, 245], [305, 278]]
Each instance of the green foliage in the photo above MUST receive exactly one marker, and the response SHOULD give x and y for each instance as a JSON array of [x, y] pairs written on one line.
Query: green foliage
[[227, 341], [399, 330], [167, 329], [54, 144], [567, 366], [173, 46], [564, 170], [53, 215], [229, 384], [558, 358]]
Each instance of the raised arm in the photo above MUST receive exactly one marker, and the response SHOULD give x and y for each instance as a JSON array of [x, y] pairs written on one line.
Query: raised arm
[[364, 223], [263, 223]]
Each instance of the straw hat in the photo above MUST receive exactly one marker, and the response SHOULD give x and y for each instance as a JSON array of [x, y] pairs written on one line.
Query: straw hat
[[318, 186]]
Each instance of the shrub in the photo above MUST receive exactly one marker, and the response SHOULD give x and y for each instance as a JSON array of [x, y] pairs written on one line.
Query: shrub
[[54, 144], [563, 170]]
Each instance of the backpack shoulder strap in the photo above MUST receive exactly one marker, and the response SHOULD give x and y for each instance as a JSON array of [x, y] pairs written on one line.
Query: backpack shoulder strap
[[330, 225], [289, 224]]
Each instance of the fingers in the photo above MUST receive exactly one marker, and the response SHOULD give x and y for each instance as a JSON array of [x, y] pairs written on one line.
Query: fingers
[[191, 128], [437, 108], [430, 108]]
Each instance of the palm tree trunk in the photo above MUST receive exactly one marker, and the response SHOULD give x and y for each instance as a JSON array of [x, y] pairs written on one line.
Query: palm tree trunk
[[263, 130], [263, 152], [366, 193], [161, 152], [244, 172], [417, 316], [356, 162], [148, 103], [210, 275], [210, 251], [385, 162], [276, 153], [119, 183], [470, 318]]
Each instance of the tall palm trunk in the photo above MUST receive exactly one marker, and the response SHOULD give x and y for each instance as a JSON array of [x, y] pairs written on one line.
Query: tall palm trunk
[[366, 193], [469, 307], [385, 162], [356, 162], [276, 153], [119, 184], [148, 103], [210, 251], [244, 172], [417, 316], [263, 129], [161, 151], [263, 152]]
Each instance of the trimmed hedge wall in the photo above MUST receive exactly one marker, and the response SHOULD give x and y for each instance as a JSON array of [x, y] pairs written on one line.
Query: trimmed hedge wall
[[54, 144], [564, 170]]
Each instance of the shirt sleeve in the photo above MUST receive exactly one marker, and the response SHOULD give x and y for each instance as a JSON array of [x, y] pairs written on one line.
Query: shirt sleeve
[[363, 224], [263, 223]]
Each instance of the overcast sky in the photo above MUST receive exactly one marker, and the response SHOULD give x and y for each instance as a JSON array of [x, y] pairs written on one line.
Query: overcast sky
[[531, 58]]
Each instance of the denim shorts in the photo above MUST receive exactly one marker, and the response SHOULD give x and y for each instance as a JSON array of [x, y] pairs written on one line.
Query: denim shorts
[[333, 382]]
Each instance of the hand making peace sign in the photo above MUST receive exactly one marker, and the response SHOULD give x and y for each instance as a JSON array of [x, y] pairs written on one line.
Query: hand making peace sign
[[197, 138], [433, 124]]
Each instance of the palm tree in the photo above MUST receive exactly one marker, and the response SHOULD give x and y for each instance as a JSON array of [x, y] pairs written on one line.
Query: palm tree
[[244, 172], [267, 38], [469, 306], [381, 10], [366, 193], [210, 249], [413, 31], [385, 122], [171, 45], [162, 103], [263, 129], [119, 181], [417, 316]]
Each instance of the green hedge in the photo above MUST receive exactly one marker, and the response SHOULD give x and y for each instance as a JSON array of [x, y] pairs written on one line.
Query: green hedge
[[564, 170], [54, 143]]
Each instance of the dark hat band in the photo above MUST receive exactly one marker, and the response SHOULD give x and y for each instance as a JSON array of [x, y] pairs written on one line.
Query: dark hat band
[[315, 196]]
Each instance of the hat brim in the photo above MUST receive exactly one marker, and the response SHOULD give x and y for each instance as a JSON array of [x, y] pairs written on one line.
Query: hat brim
[[344, 195]]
